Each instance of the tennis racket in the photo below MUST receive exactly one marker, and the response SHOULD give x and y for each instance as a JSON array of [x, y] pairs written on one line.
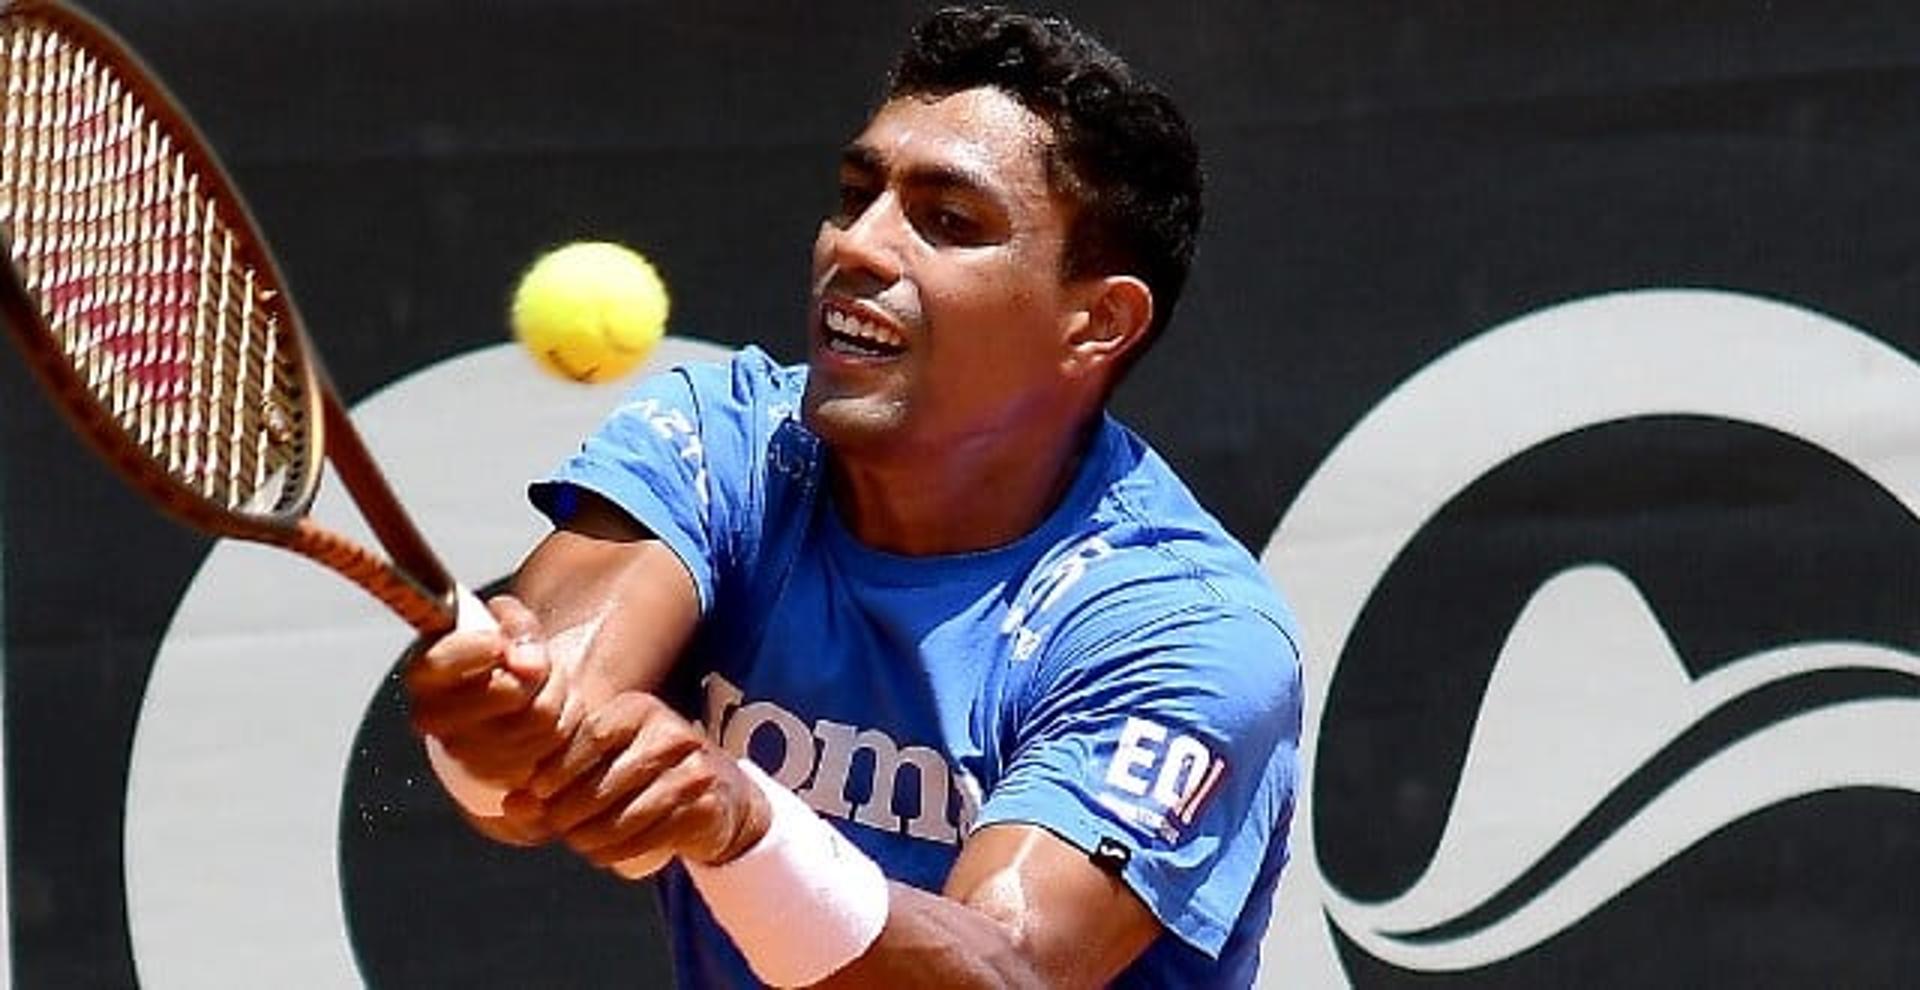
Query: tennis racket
[[148, 304]]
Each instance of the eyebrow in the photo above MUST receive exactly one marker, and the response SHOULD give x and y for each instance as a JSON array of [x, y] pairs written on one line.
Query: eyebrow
[[938, 176]]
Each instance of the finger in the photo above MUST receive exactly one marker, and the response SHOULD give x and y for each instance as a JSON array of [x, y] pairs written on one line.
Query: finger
[[505, 765], [506, 750], [463, 707], [704, 809], [526, 651], [642, 865], [526, 813], [459, 656], [611, 727], [529, 661], [517, 621], [515, 826], [680, 811], [453, 659], [628, 774]]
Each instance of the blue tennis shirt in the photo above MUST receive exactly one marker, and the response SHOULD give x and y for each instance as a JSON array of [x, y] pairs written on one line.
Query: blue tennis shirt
[[1122, 676]]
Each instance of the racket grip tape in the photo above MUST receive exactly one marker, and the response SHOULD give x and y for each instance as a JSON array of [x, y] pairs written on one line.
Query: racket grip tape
[[427, 612]]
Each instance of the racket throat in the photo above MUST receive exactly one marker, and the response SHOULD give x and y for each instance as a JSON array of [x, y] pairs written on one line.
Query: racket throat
[[429, 612]]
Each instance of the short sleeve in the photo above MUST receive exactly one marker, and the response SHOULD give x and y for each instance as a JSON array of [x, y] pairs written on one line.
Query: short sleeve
[[1164, 742], [679, 455]]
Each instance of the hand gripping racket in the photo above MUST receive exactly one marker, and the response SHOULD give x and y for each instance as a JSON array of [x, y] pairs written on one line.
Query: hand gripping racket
[[147, 303]]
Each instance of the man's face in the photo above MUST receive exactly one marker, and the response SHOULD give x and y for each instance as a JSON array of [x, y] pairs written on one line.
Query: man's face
[[938, 310]]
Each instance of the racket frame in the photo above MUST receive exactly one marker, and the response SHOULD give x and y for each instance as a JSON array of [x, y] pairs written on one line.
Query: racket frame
[[415, 584]]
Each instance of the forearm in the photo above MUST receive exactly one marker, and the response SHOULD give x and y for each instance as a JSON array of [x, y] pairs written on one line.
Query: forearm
[[617, 612], [599, 608], [931, 941], [1021, 908]]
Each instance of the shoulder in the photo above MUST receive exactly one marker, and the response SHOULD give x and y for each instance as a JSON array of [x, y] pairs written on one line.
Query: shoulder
[[1148, 585], [751, 378], [740, 415], [1163, 639], [1145, 555], [699, 455]]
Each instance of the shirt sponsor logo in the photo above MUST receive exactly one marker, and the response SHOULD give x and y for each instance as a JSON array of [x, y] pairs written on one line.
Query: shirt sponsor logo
[[820, 763], [674, 427], [1158, 780], [1047, 592]]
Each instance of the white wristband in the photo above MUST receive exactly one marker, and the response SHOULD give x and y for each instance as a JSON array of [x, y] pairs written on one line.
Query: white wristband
[[802, 902]]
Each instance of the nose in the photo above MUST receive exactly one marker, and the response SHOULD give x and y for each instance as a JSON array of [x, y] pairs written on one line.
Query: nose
[[868, 244]]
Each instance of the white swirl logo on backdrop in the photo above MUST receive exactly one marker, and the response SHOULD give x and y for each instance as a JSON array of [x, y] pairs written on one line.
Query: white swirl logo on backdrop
[[1587, 687], [241, 752]]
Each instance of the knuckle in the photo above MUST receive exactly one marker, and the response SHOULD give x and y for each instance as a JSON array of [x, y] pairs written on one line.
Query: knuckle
[[648, 703], [602, 730], [705, 808], [622, 717], [635, 706], [603, 724], [699, 780], [680, 743]]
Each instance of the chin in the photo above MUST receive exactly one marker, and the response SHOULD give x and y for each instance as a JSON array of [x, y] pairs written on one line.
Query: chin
[[854, 422]]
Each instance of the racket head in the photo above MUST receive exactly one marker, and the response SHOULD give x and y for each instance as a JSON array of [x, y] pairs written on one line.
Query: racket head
[[140, 288]]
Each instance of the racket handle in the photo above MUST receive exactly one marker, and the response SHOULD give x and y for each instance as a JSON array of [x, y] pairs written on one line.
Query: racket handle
[[470, 614]]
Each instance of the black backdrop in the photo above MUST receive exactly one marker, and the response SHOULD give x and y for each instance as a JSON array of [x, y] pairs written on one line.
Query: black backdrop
[[1387, 180]]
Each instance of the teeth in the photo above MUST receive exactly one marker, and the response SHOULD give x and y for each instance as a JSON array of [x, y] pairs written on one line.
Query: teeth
[[842, 322]]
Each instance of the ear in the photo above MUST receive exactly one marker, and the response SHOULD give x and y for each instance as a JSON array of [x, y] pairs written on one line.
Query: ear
[[1114, 321]]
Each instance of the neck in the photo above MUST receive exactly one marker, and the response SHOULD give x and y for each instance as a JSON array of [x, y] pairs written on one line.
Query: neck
[[961, 500]]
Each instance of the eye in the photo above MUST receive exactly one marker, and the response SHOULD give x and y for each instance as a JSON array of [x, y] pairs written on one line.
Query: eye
[[854, 198], [945, 223]]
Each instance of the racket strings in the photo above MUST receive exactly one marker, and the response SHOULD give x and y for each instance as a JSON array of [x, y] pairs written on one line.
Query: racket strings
[[149, 293]]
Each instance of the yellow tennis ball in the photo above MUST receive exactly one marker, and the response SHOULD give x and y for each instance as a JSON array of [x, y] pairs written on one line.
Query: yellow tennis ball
[[590, 311]]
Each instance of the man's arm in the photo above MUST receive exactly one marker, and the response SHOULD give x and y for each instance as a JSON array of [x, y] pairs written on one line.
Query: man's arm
[[601, 608], [1021, 908], [616, 602], [624, 780]]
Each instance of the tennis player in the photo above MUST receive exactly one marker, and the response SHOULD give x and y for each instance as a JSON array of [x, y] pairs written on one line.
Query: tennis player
[[912, 666]]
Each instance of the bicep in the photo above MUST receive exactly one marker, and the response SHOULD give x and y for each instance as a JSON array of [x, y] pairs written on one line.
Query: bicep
[[610, 593], [1078, 924]]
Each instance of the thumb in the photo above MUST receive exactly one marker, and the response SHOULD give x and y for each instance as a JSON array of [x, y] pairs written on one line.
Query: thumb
[[526, 652], [517, 621]]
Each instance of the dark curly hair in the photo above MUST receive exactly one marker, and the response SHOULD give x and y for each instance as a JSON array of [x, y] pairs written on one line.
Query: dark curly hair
[[1122, 152]]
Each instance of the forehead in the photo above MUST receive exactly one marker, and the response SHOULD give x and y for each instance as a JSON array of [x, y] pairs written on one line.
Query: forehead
[[980, 133]]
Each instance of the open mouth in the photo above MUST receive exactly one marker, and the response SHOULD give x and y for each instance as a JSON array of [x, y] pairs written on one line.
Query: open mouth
[[853, 335]]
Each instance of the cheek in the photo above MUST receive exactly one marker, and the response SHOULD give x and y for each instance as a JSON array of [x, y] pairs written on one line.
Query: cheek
[[1005, 289], [1027, 310], [1024, 298]]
